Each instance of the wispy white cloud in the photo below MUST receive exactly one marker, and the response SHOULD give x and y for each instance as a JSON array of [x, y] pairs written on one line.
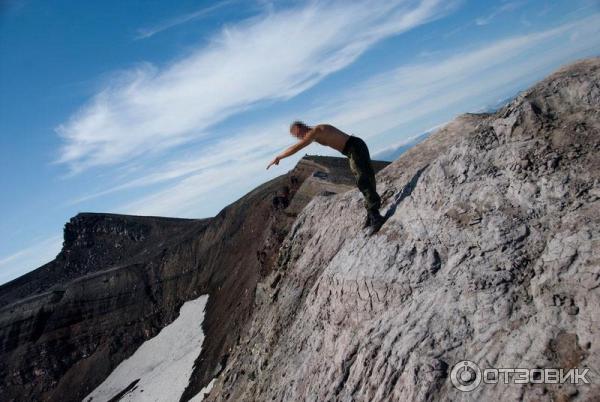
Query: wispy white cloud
[[504, 8], [395, 100], [413, 92], [144, 33], [13, 265], [209, 178], [411, 98], [247, 143], [273, 56]]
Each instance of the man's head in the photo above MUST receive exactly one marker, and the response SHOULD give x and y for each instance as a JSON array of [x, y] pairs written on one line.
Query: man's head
[[298, 129]]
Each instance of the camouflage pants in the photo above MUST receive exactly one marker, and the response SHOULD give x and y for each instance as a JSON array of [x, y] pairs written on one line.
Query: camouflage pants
[[360, 163]]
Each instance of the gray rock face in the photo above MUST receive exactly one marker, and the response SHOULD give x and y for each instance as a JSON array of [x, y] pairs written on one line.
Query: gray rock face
[[491, 253]]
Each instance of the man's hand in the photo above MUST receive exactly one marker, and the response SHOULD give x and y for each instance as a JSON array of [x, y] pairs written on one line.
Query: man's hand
[[274, 162]]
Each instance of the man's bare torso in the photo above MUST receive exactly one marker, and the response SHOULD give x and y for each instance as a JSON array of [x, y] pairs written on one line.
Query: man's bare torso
[[326, 134]]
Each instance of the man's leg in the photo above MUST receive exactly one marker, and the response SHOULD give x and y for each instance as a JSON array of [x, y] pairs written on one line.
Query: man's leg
[[356, 173], [360, 163]]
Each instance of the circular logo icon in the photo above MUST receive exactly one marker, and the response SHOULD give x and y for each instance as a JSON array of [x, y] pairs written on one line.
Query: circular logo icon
[[465, 376]]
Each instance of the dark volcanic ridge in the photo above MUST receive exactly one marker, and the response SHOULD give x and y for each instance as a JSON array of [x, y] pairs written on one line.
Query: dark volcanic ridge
[[120, 279]]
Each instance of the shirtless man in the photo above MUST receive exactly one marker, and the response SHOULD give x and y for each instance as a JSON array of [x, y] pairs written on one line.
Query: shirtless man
[[358, 154]]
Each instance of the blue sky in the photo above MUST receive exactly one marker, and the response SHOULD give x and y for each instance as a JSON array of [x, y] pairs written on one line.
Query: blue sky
[[155, 108]]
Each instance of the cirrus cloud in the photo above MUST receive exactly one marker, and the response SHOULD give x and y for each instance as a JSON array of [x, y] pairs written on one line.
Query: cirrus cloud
[[273, 56]]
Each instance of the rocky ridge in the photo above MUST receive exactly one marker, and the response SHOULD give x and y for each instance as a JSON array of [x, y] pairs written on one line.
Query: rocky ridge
[[491, 253]]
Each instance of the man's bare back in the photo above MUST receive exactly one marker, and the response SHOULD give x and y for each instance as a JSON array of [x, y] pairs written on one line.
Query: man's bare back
[[328, 135]]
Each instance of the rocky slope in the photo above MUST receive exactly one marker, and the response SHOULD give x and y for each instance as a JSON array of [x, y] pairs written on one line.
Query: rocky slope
[[120, 279], [491, 253]]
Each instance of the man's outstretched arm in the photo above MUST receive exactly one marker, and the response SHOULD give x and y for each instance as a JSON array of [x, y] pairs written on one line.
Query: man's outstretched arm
[[294, 148]]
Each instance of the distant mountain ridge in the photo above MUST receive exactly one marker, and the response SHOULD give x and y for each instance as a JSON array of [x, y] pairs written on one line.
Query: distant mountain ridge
[[393, 153]]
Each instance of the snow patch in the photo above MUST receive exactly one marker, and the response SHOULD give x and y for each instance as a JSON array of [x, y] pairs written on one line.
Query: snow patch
[[200, 396], [163, 364]]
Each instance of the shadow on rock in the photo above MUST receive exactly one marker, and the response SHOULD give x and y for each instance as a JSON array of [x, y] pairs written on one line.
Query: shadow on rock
[[406, 191]]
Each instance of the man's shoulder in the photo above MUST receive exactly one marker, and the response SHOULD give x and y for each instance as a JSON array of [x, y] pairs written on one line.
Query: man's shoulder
[[323, 127], [319, 128]]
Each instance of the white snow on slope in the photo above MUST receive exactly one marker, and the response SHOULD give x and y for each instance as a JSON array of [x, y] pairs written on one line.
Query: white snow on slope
[[200, 395], [162, 364]]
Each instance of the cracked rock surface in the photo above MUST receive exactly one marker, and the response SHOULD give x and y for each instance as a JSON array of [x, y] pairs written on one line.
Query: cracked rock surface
[[491, 253]]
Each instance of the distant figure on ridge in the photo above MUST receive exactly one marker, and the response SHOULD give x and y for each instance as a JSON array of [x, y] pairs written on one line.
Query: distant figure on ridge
[[358, 154]]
